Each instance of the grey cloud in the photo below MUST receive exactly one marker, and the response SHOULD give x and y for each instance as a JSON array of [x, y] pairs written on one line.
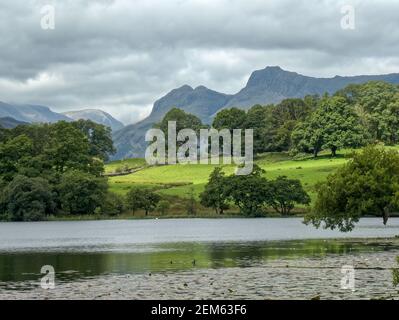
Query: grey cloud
[[122, 55]]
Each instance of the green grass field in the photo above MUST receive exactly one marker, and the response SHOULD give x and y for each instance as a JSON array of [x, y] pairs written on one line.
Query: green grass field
[[178, 180], [128, 164]]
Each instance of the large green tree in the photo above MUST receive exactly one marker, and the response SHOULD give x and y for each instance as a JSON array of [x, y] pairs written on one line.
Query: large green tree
[[183, 121], [249, 192], [214, 195], [377, 104], [27, 199], [81, 192], [230, 119], [13, 153], [285, 193], [99, 137], [333, 125], [367, 185]]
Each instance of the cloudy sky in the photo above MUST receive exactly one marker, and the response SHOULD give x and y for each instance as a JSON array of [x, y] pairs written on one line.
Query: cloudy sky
[[122, 55]]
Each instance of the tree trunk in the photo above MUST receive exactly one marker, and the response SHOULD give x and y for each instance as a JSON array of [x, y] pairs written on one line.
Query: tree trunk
[[315, 152], [385, 215], [334, 151]]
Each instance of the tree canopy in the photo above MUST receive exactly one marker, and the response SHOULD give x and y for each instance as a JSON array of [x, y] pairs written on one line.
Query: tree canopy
[[333, 125], [49, 169], [367, 185]]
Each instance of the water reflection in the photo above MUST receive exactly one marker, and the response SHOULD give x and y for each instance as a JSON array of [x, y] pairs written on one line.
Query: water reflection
[[73, 265]]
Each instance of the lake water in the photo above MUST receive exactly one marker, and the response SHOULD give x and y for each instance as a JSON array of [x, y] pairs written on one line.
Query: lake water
[[96, 254]]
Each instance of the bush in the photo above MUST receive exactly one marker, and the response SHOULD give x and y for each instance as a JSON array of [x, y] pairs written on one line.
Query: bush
[[81, 193], [27, 199], [138, 198], [163, 206], [113, 205]]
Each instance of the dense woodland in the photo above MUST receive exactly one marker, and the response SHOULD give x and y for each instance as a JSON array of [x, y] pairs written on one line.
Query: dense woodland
[[57, 169]]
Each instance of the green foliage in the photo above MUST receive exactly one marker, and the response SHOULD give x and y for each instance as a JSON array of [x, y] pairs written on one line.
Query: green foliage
[[230, 119], [248, 192], [251, 193], [68, 159], [368, 184], [377, 104], [257, 118], [26, 199], [67, 148], [163, 206], [13, 152], [99, 137], [285, 193], [183, 121], [214, 195], [81, 193], [140, 198], [333, 125], [191, 204], [113, 204]]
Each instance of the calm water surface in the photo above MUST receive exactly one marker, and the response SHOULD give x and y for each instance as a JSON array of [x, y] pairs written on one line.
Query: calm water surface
[[78, 250]]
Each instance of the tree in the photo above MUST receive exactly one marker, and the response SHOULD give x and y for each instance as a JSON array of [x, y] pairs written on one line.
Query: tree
[[113, 204], [12, 153], [183, 121], [191, 203], [334, 125], [67, 148], [368, 184], [376, 102], [163, 206], [273, 124], [139, 198], [258, 119], [249, 192], [214, 195], [99, 137], [230, 119], [63, 155], [285, 193], [27, 199], [81, 192]]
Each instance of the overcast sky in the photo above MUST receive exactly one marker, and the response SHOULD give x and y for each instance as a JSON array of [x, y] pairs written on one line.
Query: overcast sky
[[122, 55]]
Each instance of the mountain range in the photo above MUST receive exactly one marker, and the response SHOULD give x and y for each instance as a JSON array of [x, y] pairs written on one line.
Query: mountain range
[[26, 113], [9, 123], [97, 116], [266, 86]]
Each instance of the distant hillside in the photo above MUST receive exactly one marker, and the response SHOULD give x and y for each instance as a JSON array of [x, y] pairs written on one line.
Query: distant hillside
[[42, 114], [9, 123], [200, 101], [266, 86], [30, 113], [273, 84], [97, 116]]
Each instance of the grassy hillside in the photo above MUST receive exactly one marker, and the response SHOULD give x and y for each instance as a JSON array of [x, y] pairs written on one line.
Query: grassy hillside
[[178, 180], [130, 164]]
